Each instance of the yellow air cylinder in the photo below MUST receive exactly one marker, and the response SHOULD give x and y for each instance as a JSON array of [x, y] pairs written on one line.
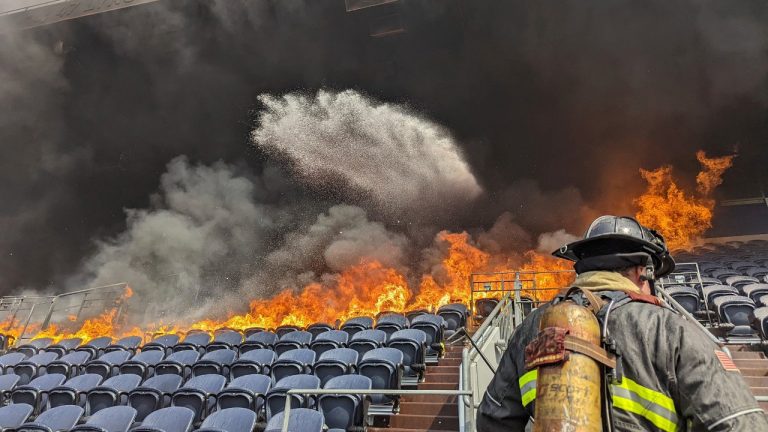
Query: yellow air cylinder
[[568, 393]]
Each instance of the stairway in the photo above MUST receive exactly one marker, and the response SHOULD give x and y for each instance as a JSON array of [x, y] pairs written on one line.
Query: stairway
[[434, 413], [754, 368]]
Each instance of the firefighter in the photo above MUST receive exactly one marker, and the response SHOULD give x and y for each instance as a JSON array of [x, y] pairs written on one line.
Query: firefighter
[[672, 377]]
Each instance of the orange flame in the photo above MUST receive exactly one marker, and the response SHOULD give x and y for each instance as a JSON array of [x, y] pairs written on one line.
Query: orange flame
[[680, 217]]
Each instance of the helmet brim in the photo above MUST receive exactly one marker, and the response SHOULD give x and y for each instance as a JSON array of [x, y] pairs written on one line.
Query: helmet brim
[[617, 243]]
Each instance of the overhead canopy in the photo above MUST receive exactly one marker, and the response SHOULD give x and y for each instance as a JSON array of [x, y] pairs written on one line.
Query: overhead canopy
[[20, 14]]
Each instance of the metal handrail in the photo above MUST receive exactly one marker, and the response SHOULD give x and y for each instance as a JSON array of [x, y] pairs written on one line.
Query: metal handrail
[[315, 392]]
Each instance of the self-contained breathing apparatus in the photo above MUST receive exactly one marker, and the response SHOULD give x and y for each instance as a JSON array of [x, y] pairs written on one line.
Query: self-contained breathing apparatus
[[576, 358]]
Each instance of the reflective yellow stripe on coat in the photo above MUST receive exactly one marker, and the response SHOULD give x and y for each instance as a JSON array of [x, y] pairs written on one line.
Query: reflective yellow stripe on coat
[[528, 386], [652, 405]]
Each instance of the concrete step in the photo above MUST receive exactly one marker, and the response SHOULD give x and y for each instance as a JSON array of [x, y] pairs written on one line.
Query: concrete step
[[429, 408], [747, 355], [443, 399], [741, 363], [756, 381], [754, 371], [451, 369], [759, 391], [449, 362], [445, 386], [423, 422], [442, 378]]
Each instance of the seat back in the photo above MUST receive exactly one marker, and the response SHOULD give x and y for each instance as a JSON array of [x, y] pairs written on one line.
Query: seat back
[[179, 363], [318, 328], [293, 362], [366, 340], [153, 394], [336, 362], [344, 411], [198, 394], [293, 340], [383, 367], [142, 363], [162, 343], [300, 419], [30, 368], [171, 419], [329, 340], [12, 416], [108, 363], [231, 420], [252, 362], [109, 392], [112, 419], [214, 362], [225, 339], [276, 395], [263, 339], [73, 391], [61, 418], [247, 391]]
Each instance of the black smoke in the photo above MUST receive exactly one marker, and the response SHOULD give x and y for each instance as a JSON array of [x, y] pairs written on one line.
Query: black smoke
[[555, 104]]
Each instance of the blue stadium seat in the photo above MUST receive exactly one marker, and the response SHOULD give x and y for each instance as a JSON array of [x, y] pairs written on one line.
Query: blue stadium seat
[[179, 363], [484, 307], [111, 392], [215, 362], [69, 365], [760, 322], [293, 362], [686, 296], [755, 291], [723, 274], [112, 419], [390, 323], [199, 394], [357, 324], [73, 391], [128, 343], [225, 339], [61, 418], [367, 340], [34, 346], [143, 364], [34, 392], [285, 329], [247, 391], [64, 346], [14, 415], [153, 394], [257, 361], [230, 420], [250, 331], [293, 340], [8, 361], [345, 412], [7, 383], [299, 420], [108, 364], [260, 340], [737, 310], [412, 343], [414, 313], [384, 367], [30, 368], [171, 419], [455, 316], [318, 328], [329, 340], [164, 343], [95, 347], [194, 340], [712, 292], [739, 281], [707, 281], [336, 362], [757, 272], [276, 396], [433, 327], [740, 266]]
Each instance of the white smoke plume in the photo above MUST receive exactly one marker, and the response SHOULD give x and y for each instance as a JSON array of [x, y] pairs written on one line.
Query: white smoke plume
[[551, 241], [404, 162]]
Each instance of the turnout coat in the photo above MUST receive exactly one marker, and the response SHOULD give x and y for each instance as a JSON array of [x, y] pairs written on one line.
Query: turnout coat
[[675, 377]]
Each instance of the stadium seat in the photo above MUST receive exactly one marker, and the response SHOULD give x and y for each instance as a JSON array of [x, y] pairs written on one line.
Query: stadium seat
[[8, 361], [260, 340], [712, 292], [275, 401], [112, 419], [143, 364], [34, 392], [285, 329], [738, 311], [357, 324], [414, 313], [73, 391], [740, 266], [723, 274], [153, 394], [755, 291], [293, 340], [179, 363], [171, 419], [293, 362], [390, 323], [247, 391], [230, 420], [258, 361], [250, 331], [64, 346], [164, 343], [739, 281], [366, 340], [128, 343], [345, 412], [7, 383], [686, 296], [329, 340], [760, 322], [194, 341], [225, 339], [34, 346], [14, 415], [484, 307], [215, 362], [412, 343], [318, 328], [108, 363], [199, 394], [299, 420], [707, 281], [61, 418], [95, 347], [110, 393], [455, 316], [433, 327], [335, 362], [30, 368], [384, 367], [69, 365]]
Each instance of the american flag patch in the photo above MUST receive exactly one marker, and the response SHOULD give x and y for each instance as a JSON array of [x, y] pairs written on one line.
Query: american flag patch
[[726, 361]]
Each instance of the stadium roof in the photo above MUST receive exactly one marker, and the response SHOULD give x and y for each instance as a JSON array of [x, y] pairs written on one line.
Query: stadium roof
[[15, 14]]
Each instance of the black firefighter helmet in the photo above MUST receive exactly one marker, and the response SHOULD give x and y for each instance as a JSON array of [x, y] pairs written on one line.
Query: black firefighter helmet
[[613, 242]]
